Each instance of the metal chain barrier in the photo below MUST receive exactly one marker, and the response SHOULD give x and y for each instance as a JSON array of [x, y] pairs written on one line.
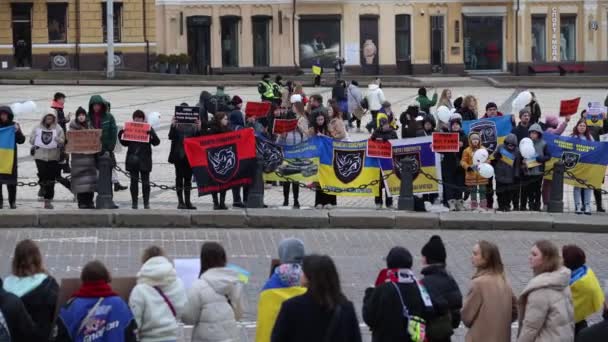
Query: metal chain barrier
[[152, 184], [584, 183], [326, 189]]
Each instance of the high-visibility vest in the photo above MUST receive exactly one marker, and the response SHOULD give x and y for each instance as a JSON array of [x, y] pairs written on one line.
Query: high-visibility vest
[[316, 70], [269, 92]]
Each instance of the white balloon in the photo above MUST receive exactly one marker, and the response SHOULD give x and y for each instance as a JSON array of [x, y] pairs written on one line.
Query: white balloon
[[526, 97], [486, 170], [443, 113], [295, 98], [527, 151], [16, 108], [480, 156], [517, 105], [154, 120], [29, 107], [526, 141]]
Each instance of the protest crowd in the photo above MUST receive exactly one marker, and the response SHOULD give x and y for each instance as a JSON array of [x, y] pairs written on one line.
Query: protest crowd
[[302, 299], [490, 155]]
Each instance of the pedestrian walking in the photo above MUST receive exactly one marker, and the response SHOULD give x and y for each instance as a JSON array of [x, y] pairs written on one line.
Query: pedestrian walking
[[355, 97], [323, 313], [375, 98], [490, 306], [10, 179], [545, 307], [216, 300], [158, 299]]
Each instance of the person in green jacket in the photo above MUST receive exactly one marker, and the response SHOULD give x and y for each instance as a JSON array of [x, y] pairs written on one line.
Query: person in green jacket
[[425, 102], [101, 118]]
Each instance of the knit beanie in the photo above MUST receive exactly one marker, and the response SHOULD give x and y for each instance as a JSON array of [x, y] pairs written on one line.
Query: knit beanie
[[236, 100], [399, 257], [434, 251], [291, 251]]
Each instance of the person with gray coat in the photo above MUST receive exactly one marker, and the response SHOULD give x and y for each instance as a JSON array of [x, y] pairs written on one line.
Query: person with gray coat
[[506, 170], [84, 169], [534, 170], [354, 96]]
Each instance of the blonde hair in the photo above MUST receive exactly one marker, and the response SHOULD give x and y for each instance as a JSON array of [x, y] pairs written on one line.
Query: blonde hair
[[470, 101], [491, 257], [443, 99]]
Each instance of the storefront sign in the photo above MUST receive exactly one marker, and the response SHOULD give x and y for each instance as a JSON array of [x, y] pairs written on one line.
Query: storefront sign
[[136, 131], [554, 34], [86, 141], [446, 142], [284, 125], [379, 149]]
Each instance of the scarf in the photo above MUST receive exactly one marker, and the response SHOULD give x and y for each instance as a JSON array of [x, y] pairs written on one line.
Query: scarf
[[578, 274], [95, 289], [404, 276], [55, 104]]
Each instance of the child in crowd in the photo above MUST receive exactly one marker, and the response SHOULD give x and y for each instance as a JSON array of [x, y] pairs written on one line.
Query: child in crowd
[[506, 166], [473, 180]]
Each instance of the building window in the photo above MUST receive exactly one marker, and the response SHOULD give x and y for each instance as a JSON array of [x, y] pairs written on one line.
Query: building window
[[567, 39], [117, 22], [539, 38], [57, 22], [402, 37], [261, 44], [483, 43], [230, 42]]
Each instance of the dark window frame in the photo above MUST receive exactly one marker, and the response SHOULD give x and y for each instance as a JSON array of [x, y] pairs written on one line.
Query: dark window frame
[[403, 29], [57, 5], [118, 6], [544, 19], [266, 20]]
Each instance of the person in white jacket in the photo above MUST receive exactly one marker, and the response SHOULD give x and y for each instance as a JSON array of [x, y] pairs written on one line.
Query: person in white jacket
[[375, 99], [158, 299], [216, 300]]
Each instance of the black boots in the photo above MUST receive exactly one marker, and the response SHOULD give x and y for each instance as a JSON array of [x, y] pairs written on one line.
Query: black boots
[[119, 187], [187, 200], [598, 201], [219, 204]]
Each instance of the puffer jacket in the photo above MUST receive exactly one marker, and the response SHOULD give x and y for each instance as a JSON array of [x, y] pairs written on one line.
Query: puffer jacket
[[48, 154], [471, 178], [19, 139], [84, 169], [546, 310], [506, 162], [215, 302], [542, 153], [375, 97], [152, 313]]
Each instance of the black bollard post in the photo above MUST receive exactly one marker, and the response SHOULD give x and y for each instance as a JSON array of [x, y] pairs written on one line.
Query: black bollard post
[[556, 199], [406, 193], [104, 182], [255, 199]]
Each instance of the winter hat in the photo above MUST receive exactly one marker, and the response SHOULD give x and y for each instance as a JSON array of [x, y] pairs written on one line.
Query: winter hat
[[455, 118], [535, 128], [399, 257], [291, 251], [236, 100], [525, 110], [458, 102], [552, 121], [80, 110], [474, 136], [434, 251], [491, 105]]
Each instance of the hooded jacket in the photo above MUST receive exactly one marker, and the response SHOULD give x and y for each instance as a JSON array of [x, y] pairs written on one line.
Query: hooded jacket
[[19, 139], [375, 97], [215, 302], [542, 153], [426, 103], [84, 168], [506, 165], [18, 321], [546, 313], [48, 154], [39, 296], [105, 122], [152, 313], [139, 154], [472, 178]]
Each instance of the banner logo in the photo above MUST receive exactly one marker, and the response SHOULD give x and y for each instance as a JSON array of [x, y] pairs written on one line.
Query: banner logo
[[272, 155], [348, 164], [488, 133], [413, 159], [570, 159], [46, 137], [223, 162]]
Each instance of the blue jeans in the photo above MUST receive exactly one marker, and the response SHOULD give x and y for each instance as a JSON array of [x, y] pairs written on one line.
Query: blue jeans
[[585, 194]]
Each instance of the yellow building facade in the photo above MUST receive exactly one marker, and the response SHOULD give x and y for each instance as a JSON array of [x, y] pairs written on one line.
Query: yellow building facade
[[70, 34], [385, 36]]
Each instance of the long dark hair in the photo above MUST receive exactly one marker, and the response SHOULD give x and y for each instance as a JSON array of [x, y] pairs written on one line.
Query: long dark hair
[[212, 255], [320, 129], [575, 132], [335, 109], [323, 281]]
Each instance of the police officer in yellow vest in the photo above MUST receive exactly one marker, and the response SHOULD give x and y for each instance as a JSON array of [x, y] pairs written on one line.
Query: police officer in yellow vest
[[266, 88]]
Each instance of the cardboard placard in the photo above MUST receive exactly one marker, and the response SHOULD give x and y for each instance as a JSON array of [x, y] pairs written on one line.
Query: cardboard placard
[[136, 131], [186, 115], [445, 142], [257, 109], [569, 107], [86, 141], [68, 286], [284, 125], [379, 149]]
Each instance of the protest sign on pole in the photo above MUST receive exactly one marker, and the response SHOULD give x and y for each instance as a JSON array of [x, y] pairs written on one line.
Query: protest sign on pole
[[136, 131], [569, 107], [284, 125], [257, 109], [379, 149], [86, 141], [186, 115], [446, 142]]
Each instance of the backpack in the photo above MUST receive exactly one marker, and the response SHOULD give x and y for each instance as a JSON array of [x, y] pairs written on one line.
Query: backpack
[[415, 326], [218, 104], [5, 334]]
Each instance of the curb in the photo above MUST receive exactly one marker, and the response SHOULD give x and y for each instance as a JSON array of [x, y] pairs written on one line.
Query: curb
[[301, 219]]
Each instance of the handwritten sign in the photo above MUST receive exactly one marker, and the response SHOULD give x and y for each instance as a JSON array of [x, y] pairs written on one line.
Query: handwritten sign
[[257, 109], [284, 125], [446, 142], [186, 115], [379, 149], [136, 131], [569, 107], [86, 141]]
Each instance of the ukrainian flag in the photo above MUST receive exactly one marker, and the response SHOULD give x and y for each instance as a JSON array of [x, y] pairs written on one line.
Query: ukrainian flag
[[493, 131], [507, 157], [7, 149], [587, 294]]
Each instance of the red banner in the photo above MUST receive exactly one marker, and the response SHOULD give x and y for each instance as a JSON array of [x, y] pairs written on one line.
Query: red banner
[[569, 107], [379, 149], [445, 142], [222, 161], [284, 125], [257, 109], [136, 131]]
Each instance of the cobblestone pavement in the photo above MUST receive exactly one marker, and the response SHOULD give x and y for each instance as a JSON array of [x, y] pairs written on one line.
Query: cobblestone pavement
[[358, 253], [163, 99]]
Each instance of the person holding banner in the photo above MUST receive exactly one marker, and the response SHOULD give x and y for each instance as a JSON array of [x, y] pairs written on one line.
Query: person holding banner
[[84, 169], [219, 125], [533, 170], [236, 123], [383, 132], [47, 139], [336, 127], [177, 157], [319, 127], [582, 195], [553, 126], [9, 176], [473, 180], [451, 171], [139, 159], [506, 166], [294, 137]]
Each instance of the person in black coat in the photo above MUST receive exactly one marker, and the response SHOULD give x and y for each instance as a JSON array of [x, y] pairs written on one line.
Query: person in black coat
[[596, 332], [451, 171], [220, 124], [396, 287], [6, 120], [323, 313], [521, 130], [139, 161], [443, 289], [18, 320]]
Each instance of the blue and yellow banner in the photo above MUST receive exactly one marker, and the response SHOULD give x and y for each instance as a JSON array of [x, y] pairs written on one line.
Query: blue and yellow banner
[[344, 164], [418, 150], [493, 131], [7, 149], [584, 159], [289, 162]]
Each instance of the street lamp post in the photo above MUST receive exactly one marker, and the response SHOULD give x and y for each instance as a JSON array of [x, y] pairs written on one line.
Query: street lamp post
[[110, 38]]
